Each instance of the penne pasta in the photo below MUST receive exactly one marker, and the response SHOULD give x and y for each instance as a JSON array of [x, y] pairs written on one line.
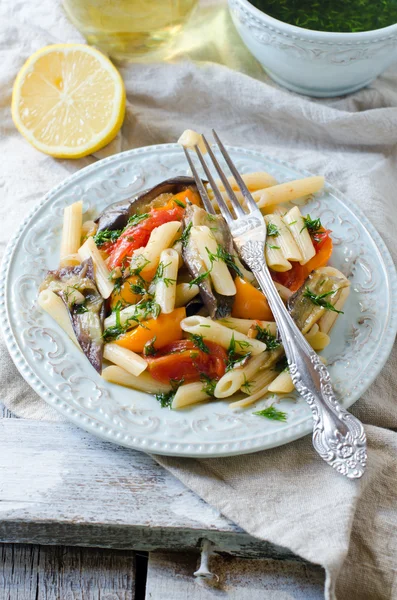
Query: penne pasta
[[129, 317], [284, 292], [328, 319], [190, 138], [291, 190], [207, 246], [188, 394], [258, 389], [275, 258], [253, 181], [247, 275], [177, 246], [294, 220], [161, 238], [213, 331], [278, 231], [89, 228], [71, 231], [122, 357], [184, 293], [237, 378], [282, 384], [244, 325], [102, 274], [317, 339], [166, 275], [144, 382], [53, 305]]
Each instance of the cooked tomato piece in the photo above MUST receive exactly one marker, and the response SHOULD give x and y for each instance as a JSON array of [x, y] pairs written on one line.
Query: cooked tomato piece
[[184, 360], [137, 236]]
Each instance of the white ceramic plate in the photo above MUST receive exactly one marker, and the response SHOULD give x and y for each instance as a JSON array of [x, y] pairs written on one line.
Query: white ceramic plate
[[56, 370]]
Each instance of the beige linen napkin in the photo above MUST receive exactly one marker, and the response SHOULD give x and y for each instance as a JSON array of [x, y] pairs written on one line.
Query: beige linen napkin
[[286, 495]]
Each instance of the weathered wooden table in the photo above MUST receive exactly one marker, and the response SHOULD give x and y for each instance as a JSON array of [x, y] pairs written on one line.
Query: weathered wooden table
[[84, 519]]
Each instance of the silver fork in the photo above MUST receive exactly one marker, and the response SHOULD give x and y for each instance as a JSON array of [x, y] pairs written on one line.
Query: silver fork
[[338, 437]]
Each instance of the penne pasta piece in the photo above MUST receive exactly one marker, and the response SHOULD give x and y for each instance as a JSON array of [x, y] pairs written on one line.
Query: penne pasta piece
[[291, 190], [275, 258], [71, 260], [244, 325], [190, 138], [284, 292], [253, 181], [282, 384], [328, 319], [294, 220], [144, 382], [238, 377], [165, 286], [161, 238], [247, 275], [53, 305], [89, 228], [213, 331], [258, 389], [71, 231], [184, 293], [102, 273], [130, 316], [188, 394], [278, 231], [207, 246], [317, 339], [124, 358], [178, 248]]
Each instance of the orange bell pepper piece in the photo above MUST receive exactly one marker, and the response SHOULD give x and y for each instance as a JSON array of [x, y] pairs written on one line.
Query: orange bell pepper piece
[[124, 294], [250, 303], [166, 329], [188, 195]]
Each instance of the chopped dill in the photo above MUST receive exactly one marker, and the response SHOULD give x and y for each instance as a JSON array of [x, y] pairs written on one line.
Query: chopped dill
[[165, 399], [148, 348], [179, 203], [272, 230], [312, 225], [136, 219], [319, 300], [198, 341], [263, 335], [185, 235], [272, 413], [208, 384], [107, 235]]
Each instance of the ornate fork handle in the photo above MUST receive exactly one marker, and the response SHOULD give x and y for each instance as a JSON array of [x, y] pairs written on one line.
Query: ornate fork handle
[[338, 437]]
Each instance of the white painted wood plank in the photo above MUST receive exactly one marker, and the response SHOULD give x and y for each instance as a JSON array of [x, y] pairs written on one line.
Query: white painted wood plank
[[60, 485], [18, 572], [61, 573], [170, 577], [85, 574]]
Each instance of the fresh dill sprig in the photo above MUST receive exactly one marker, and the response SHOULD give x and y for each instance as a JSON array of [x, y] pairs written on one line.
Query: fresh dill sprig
[[198, 341], [107, 235], [165, 399], [148, 348], [228, 259], [319, 299], [185, 235], [136, 219], [272, 413], [312, 225], [179, 203], [233, 358], [247, 385], [208, 384], [263, 335], [272, 230], [159, 275]]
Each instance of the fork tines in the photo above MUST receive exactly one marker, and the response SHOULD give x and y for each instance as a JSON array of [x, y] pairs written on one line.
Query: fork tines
[[223, 207]]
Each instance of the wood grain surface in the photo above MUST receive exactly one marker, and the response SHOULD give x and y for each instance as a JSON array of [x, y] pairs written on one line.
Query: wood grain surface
[[62, 573], [170, 577], [60, 485]]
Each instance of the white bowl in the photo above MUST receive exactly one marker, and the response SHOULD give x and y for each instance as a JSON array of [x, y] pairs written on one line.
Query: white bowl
[[316, 63]]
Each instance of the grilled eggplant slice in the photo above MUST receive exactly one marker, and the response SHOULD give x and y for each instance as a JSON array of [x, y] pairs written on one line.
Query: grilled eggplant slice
[[327, 283], [218, 306], [86, 307], [116, 215]]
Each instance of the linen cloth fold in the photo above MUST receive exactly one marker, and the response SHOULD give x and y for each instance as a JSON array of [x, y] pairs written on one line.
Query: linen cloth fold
[[286, 495]]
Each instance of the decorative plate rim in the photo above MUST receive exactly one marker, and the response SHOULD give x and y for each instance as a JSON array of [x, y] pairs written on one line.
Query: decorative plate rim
[[203, 449]]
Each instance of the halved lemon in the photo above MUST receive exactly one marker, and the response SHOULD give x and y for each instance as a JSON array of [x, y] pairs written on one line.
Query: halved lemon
[[68, 100]]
